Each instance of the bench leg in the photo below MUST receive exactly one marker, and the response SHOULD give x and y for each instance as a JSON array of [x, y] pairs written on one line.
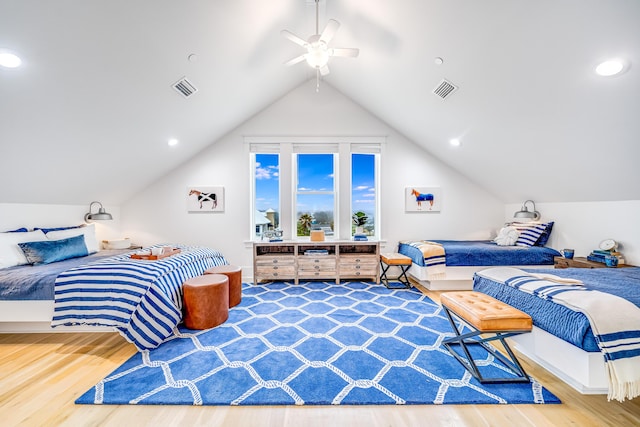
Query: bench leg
[[473, 337], [402, 278]]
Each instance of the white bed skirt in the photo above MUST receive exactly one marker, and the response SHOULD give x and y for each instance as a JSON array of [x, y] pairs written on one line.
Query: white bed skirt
[[454, 278], [582, 370], [35, 316]]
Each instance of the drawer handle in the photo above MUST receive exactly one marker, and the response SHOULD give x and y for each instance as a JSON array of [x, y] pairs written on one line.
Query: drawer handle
[[275, 261], [275, 274], [317, 273], [275, 267], [357, 259], [357, 266], [316, 260], [357, 273], [317, 267]]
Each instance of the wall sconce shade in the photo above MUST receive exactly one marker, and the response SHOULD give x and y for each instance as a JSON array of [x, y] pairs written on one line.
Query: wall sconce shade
[[526, 214], [101, 215]]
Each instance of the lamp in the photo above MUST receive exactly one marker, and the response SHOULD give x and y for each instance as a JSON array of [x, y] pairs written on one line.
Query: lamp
[[524, 213], [101, 215]]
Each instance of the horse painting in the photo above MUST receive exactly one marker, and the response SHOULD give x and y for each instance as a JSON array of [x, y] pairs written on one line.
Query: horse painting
[[422, 197], [205, 197]]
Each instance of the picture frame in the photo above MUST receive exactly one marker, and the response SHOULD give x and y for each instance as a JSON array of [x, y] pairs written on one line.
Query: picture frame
[[205, 199], [422, 199]]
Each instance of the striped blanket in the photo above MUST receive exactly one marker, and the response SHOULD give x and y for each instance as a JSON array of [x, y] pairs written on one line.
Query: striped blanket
[[141, 299], [434, 257], [614, 320]]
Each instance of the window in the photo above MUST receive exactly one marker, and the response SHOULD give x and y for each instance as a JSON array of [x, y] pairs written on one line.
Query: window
[[363, 192], [315, 193], [314, 182], [267, 193]]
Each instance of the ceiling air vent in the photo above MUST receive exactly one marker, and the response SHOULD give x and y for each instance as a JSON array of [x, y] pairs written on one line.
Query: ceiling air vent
[[185, 87], [444, 89]]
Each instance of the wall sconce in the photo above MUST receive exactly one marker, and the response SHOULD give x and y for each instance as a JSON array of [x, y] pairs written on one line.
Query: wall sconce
[[525, 214], [101, 215]]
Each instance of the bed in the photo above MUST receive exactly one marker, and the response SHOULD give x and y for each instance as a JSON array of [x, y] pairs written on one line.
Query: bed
[[462, 258], [106, 290], [566, 315]]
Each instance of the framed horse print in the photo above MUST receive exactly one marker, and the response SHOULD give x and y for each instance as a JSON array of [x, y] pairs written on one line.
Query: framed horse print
[[205, 199], [422, 199]]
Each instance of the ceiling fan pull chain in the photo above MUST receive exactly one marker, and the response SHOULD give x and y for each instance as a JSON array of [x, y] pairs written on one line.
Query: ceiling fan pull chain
[[317, 80]]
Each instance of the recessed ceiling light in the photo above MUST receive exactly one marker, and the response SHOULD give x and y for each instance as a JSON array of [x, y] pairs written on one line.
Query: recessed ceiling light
[[173, 142], [9, 60], [610, 67], [455, 142], [438, 60]]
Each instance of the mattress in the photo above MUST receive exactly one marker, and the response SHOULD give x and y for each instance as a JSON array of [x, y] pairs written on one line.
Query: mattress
[[558, 320], [462, 253], [35, 282]]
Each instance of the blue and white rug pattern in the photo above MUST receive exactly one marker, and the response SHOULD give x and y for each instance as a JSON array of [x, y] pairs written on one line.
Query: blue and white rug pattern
[[315, 343]]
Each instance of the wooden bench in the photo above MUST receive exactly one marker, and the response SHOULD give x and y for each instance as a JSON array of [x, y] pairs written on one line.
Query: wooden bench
[[495, 320], [388, 260]]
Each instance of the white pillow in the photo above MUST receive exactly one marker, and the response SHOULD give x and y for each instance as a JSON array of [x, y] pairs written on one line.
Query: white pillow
[[508, 236], [89, 232], [10, 253]]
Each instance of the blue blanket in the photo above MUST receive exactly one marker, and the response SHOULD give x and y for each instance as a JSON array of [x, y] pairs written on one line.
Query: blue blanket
[[142, 299], [484, 253], [35, 282], [559, 320]]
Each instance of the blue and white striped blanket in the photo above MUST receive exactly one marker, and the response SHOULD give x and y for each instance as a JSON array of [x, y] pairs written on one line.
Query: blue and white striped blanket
[[614, 320], [141, 299]]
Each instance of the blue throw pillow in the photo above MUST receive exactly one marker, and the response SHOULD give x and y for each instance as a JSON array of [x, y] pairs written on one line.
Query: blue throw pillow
[[529, 233], [46, 230], [49, 251], [544, 237]]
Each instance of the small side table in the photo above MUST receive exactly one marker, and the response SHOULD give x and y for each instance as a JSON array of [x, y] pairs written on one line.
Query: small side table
[[581, 262]]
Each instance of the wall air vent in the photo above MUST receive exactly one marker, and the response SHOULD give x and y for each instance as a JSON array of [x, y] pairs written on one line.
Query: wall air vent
[[444, 89], [185, 87]]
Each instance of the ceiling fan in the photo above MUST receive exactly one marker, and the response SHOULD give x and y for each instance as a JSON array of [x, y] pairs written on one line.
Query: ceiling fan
[[318, 50]]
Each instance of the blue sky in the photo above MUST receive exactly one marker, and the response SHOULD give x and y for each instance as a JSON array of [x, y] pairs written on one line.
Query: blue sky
[[315, 173]]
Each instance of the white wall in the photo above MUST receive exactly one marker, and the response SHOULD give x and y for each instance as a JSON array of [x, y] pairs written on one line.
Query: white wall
[[158, 214], [16, 215], [583, 225]]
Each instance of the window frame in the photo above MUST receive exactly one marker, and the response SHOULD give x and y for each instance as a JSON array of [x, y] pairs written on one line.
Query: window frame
[[342, 147]]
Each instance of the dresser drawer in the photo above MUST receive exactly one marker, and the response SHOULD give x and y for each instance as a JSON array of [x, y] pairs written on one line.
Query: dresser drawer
[[359, 270], [317, 263], [275, 272], [268, 260]]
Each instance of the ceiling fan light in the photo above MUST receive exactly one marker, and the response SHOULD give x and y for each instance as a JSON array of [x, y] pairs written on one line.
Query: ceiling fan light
[[317, 57]]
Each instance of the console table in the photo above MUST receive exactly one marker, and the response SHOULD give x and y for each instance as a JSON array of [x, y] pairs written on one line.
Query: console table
[[306, 260]]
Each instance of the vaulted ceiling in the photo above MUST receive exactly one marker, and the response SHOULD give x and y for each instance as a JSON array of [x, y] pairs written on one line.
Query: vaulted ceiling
[[89, 113]]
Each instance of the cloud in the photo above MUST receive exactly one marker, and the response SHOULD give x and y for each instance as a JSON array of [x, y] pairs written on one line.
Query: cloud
[[361, 187]]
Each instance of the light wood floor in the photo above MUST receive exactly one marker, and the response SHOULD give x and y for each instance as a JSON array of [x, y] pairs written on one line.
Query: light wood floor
[[41, 375]]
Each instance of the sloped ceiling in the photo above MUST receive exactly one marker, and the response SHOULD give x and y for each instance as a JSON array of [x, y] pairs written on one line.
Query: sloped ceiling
[[89, 113]]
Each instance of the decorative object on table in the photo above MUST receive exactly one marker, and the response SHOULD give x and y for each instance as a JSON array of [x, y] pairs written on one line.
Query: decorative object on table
[[607, 247], [205, 199], [101, 215], [611, 260], [568, 253], [359, 220], [422, 199], [155, 253], [272, 235], [524, 214]]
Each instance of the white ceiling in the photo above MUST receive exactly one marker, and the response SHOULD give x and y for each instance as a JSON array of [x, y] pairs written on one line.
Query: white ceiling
[[89, 113]]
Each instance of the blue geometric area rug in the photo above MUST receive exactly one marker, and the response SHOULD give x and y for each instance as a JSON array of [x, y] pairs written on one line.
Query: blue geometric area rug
[[315, 343]]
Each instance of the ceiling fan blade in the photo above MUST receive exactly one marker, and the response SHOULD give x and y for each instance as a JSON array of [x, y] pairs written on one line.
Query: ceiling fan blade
[[324, 70], [329, 31], [295, 60], [345, 52], [293, 38]]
